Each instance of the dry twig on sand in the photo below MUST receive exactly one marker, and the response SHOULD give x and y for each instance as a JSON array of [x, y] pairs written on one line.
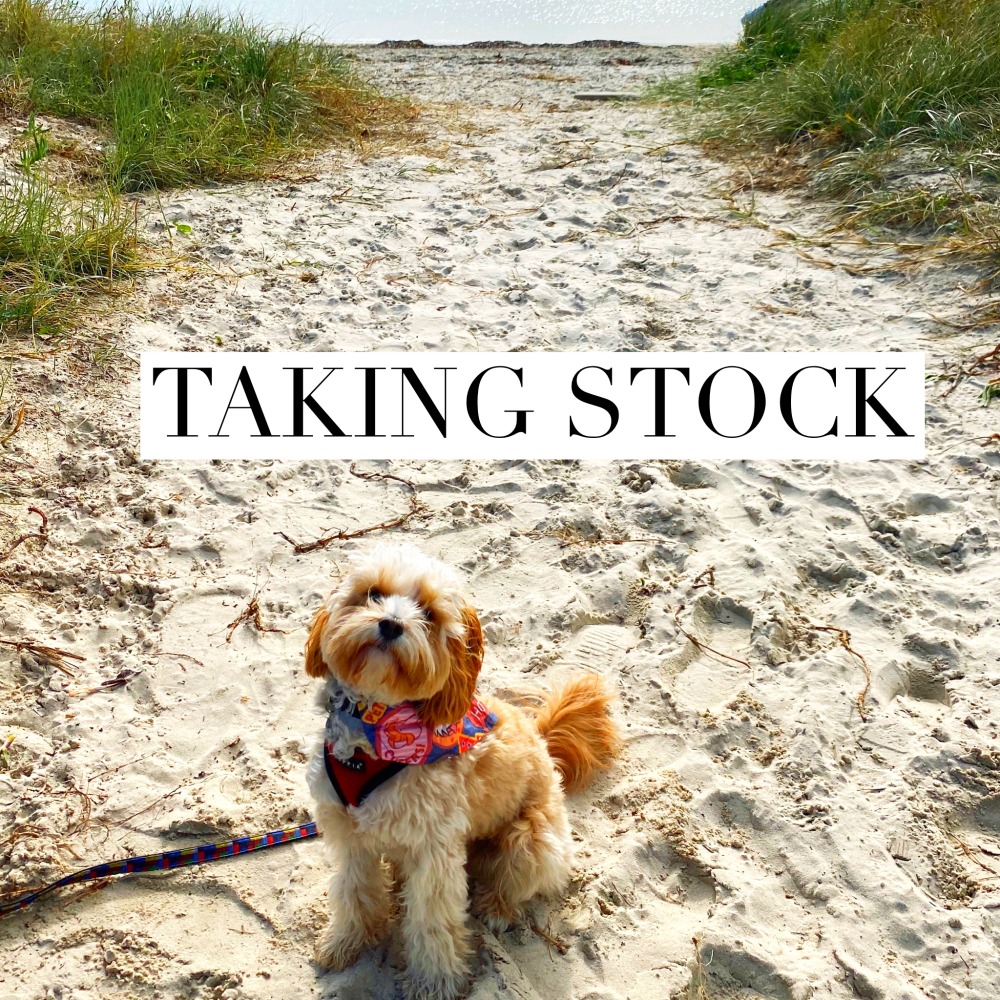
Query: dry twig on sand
[[970, 853], [251, 615], [18, 421], [844, 638], [568, 535], [42, 534], [417, 509], [549, 939], [984, 364], [149, 543], [57, 657], [703, 647], [119, 680], [697, 989]]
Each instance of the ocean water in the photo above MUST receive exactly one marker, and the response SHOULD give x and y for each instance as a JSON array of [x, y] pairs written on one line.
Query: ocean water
[[655, 22]]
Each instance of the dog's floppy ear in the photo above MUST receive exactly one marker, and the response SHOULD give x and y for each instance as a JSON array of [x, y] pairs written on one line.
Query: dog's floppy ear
[[452, 702], [315, 664]]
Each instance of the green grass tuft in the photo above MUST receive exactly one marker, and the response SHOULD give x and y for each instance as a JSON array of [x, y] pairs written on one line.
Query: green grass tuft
[[185, 97], [778, 34], [179, 98], [56, 249], [900, 97]]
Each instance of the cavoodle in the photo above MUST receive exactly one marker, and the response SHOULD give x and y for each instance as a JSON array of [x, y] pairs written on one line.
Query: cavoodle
[[461, 796]]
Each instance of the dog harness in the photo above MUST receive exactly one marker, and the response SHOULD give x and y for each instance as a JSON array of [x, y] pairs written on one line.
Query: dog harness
[[399, 738]]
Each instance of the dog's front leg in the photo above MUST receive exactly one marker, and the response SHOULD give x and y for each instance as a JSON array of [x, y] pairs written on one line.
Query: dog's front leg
[[435, 896], [360, 904]]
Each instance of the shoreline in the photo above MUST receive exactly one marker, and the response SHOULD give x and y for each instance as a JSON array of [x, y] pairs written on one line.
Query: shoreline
[[417, 43], [599, 43]]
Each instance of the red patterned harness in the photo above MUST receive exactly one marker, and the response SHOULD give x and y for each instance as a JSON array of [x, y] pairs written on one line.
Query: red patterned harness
[[399, 738]]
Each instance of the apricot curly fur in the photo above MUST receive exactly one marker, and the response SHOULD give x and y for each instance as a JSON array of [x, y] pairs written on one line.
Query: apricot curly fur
[[485, 830], [578, 731], [452, 701], [315, 664]]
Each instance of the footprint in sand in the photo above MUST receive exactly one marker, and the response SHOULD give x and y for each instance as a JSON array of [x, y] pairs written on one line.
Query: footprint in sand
[[598, 649], [703, 678]]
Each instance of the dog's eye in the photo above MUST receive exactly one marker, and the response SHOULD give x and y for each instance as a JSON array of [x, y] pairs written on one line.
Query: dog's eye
[[375, 594], [428, 614]]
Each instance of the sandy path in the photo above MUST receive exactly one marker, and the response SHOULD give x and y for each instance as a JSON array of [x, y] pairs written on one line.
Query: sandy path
[[755, 808]]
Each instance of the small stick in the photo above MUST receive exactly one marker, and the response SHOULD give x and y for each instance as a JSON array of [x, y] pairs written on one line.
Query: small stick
[[976, 323], [616, 541], [565, 542], [381, 475], [706, 578], [703, 646], [42, 533], [18, 420], [183, 656], [155, 801], [112, 770], [417, 509], [674, 218], [553, 942], [991, 359], [148, 543], [560, 165], [119, 680], [967, 851], [844, 638], [50, 653], [251, 615], [87, 890]]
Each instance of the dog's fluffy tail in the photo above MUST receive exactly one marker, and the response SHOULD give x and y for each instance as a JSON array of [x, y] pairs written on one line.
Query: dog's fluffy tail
[[578, 730]]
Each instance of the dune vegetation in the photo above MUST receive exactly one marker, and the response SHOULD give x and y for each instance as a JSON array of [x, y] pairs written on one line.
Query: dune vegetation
[[173, 98], [893, 106]]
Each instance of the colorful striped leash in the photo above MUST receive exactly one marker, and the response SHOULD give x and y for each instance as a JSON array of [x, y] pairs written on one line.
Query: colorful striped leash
[[166, 861]]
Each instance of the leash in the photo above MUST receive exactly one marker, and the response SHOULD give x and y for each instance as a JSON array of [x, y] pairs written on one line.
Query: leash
[[166, 861]]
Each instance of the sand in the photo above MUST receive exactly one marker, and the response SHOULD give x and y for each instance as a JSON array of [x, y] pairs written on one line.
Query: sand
[[768, 833]]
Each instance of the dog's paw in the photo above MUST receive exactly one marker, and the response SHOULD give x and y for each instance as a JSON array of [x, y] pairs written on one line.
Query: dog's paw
[[486, 907], [338, 948], [424, 986], [496, 923]]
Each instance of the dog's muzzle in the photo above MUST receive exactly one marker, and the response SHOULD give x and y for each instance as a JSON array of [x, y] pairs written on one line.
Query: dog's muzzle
[[389, 629]]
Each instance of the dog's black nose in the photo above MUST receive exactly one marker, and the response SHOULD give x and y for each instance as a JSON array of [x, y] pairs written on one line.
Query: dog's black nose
[[389, 629]]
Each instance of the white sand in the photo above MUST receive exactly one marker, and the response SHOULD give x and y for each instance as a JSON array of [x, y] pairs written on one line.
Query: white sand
[[754, 809]]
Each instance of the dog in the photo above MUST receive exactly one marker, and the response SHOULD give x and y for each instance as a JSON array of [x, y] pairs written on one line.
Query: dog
[[421, 785]]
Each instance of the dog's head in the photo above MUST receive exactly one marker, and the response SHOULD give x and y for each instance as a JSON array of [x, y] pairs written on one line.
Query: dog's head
[[399, 628]]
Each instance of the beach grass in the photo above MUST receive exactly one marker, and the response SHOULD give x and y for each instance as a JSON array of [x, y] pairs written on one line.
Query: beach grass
[[178, 98], [185, 97], [56, 249], [895, 104]]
